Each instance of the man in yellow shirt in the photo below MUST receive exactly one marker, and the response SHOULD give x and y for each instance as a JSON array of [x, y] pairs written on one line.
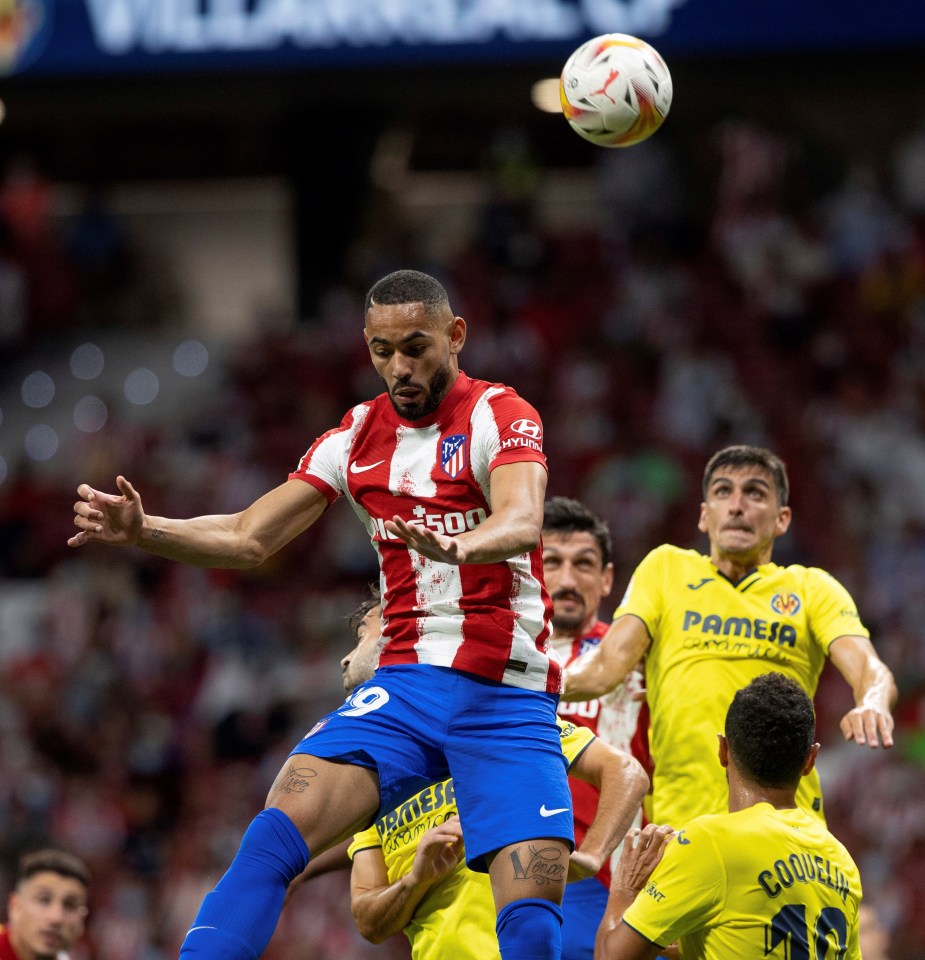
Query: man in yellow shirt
[[706, 625], [765, 879], [409, 872]]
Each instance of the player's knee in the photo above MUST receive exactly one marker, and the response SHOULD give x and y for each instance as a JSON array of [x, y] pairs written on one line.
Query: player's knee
[[530, 929]]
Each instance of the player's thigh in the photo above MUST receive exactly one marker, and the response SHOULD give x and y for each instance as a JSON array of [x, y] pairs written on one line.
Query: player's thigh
[[327, 801], [529, 869]]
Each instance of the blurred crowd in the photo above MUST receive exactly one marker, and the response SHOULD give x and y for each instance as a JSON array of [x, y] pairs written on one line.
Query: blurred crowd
[[751, 288]]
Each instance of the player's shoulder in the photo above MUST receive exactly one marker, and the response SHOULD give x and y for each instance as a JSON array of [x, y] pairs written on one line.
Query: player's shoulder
[[670, 555], [811, 576]]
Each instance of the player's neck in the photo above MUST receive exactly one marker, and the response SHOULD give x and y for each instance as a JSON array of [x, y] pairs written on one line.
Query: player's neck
[[736, 568], [746, 793]]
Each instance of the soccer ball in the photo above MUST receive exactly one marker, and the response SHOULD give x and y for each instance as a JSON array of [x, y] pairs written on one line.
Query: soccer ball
[[615, 90]]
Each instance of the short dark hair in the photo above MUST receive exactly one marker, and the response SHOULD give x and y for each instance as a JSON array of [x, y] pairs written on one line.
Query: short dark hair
[[356, 618], [407, 286], [747, 456], [52, 861], [565, 515], [770, 728]]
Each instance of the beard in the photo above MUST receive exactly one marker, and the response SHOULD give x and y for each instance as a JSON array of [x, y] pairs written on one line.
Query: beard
[[564, 623], [434, 393]]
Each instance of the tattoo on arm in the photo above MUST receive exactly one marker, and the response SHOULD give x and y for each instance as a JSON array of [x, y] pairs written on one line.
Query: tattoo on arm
[[542, 865], [157, 534], [297, 779]]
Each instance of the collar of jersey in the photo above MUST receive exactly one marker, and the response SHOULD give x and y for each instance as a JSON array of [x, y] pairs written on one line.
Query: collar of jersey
[[447, 405]]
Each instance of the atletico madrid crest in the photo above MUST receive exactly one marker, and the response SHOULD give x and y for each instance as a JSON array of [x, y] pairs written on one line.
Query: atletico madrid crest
[[454, 456]]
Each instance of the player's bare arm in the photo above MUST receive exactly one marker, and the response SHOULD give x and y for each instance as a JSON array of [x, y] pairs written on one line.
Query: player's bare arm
[[236, 541], [382, 909], [871, 720], [517, 494], [607, 665], [642, 852], [622, 783]]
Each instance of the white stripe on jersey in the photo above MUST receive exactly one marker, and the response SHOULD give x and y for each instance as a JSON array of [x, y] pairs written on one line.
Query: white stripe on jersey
[[414, 457], [487, 439]]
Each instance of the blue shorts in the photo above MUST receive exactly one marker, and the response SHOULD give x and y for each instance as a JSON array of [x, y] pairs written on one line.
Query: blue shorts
[[583, 907], [416, 724]]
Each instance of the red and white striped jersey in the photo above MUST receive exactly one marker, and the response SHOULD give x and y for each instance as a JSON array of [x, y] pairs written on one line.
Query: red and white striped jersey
[[490, 619]]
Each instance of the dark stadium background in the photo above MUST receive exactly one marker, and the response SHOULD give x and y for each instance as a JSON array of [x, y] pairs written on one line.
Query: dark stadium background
[[209, 223]]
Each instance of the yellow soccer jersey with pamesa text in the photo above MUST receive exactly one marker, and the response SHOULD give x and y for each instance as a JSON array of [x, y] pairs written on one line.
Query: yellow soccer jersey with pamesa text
[[710, 637], [757, 883], [457, 917]]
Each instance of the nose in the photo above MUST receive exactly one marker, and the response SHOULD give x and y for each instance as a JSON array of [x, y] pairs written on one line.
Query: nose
[[345, 661], [401, 366]]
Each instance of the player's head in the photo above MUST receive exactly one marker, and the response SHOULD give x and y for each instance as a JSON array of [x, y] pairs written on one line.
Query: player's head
[[770, 731], [413, 339], [744, 508], [577, 567], [365, 625], [48, 905], [741, 457]]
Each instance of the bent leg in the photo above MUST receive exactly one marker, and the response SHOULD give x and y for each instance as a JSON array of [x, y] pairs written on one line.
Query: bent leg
[[312, 805], [528, 881]]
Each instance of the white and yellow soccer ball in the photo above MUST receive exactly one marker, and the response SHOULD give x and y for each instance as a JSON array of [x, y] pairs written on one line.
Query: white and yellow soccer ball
[[615, 90]]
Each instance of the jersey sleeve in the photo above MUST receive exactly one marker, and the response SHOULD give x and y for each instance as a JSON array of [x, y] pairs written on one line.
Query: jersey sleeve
[[833, 613], [574, 739], [324, 464], [506, 429], [686, 891], [366, 840], [643, 596]]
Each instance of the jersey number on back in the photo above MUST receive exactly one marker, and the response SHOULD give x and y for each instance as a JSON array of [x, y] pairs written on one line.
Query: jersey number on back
[[789, 927]]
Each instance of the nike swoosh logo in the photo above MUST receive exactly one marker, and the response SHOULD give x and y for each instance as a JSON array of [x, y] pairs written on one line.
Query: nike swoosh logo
[[551, 813], [355, 469], [697, 586]]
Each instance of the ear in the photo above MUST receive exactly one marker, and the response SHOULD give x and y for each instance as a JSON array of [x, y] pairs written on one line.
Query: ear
[[784, 516], [723, 751], [811, 759], [457, 335], [702, 522], [607, 580]]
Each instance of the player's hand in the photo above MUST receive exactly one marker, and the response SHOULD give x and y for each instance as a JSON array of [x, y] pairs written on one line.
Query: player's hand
[[114, 519], [868, 725], [434, 546], [440, 849], [642, 850], [582, 865]]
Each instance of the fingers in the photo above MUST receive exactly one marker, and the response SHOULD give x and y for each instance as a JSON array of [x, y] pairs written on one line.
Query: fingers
[[125, 488], [868, 727]]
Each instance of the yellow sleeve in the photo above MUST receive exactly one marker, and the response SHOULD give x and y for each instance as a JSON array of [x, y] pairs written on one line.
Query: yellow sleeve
[[686, 891], [366, 840], [643, 596], [574, 739], [833, 613]]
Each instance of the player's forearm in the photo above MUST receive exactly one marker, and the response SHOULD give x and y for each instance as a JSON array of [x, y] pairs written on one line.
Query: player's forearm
[[212, 541], [876, 687], [383, 912], [623, 785], [592, 675], [500, 537]]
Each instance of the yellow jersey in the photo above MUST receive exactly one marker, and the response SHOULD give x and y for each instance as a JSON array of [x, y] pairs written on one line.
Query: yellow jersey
[[761, 882], [710, 637], [457, 916]]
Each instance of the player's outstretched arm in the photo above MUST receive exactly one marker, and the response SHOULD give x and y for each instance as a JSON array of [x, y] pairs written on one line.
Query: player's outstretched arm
[[382, 909], [607, 665], [871, 720], [239, 540], [622, 783], [641, 854], [517, 494]]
